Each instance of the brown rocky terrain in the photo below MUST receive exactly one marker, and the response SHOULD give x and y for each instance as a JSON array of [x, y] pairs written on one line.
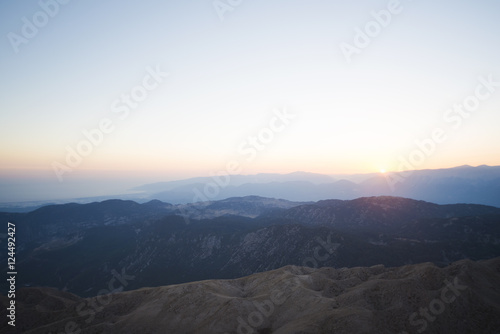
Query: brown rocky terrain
[[461, 298]]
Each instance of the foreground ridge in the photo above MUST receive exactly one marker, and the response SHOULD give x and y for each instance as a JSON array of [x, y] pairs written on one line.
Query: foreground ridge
[[463, 297]]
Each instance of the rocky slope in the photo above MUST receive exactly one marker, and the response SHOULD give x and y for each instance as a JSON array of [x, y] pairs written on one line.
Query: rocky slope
[[461, 298]]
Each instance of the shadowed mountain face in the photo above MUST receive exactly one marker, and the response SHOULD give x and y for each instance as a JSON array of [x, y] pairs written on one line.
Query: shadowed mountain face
[[381, 214], [461, 298], [79, 248], [55, 220]]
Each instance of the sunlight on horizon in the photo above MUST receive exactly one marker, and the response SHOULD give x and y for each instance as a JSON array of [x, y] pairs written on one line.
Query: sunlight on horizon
[[186, 93]]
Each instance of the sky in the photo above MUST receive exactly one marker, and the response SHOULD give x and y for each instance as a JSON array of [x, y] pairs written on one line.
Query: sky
[[129, 92]]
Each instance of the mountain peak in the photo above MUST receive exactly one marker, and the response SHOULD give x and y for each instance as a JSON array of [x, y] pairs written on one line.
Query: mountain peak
[[463, 167]]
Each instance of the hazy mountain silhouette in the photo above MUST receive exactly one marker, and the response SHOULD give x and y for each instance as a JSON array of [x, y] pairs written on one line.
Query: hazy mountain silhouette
[[464, 184]]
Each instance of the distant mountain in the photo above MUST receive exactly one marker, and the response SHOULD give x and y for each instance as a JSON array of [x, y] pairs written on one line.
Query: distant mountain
[[181, 191], [248, 206], [459, 299], [380, 214], [237, 180], [464, 184], [77, 247], [54, 220]]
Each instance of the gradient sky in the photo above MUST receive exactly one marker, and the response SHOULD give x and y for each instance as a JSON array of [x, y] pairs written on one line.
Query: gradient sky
[[227, 76]]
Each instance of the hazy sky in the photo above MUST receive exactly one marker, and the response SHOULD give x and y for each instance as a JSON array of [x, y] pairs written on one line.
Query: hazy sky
[[359, 92]]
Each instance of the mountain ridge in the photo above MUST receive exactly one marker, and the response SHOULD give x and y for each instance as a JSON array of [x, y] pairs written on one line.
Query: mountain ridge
[[460, 298], [73, 246], [462, 184]]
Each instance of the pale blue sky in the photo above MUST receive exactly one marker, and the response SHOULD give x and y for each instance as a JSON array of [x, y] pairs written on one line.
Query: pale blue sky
[[227, 76]]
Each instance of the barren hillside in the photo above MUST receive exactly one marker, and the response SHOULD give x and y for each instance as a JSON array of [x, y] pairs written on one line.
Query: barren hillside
[[461, 298]]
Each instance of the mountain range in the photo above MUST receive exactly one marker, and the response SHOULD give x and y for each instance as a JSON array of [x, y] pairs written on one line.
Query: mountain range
[[79, 247], [464, 184]]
